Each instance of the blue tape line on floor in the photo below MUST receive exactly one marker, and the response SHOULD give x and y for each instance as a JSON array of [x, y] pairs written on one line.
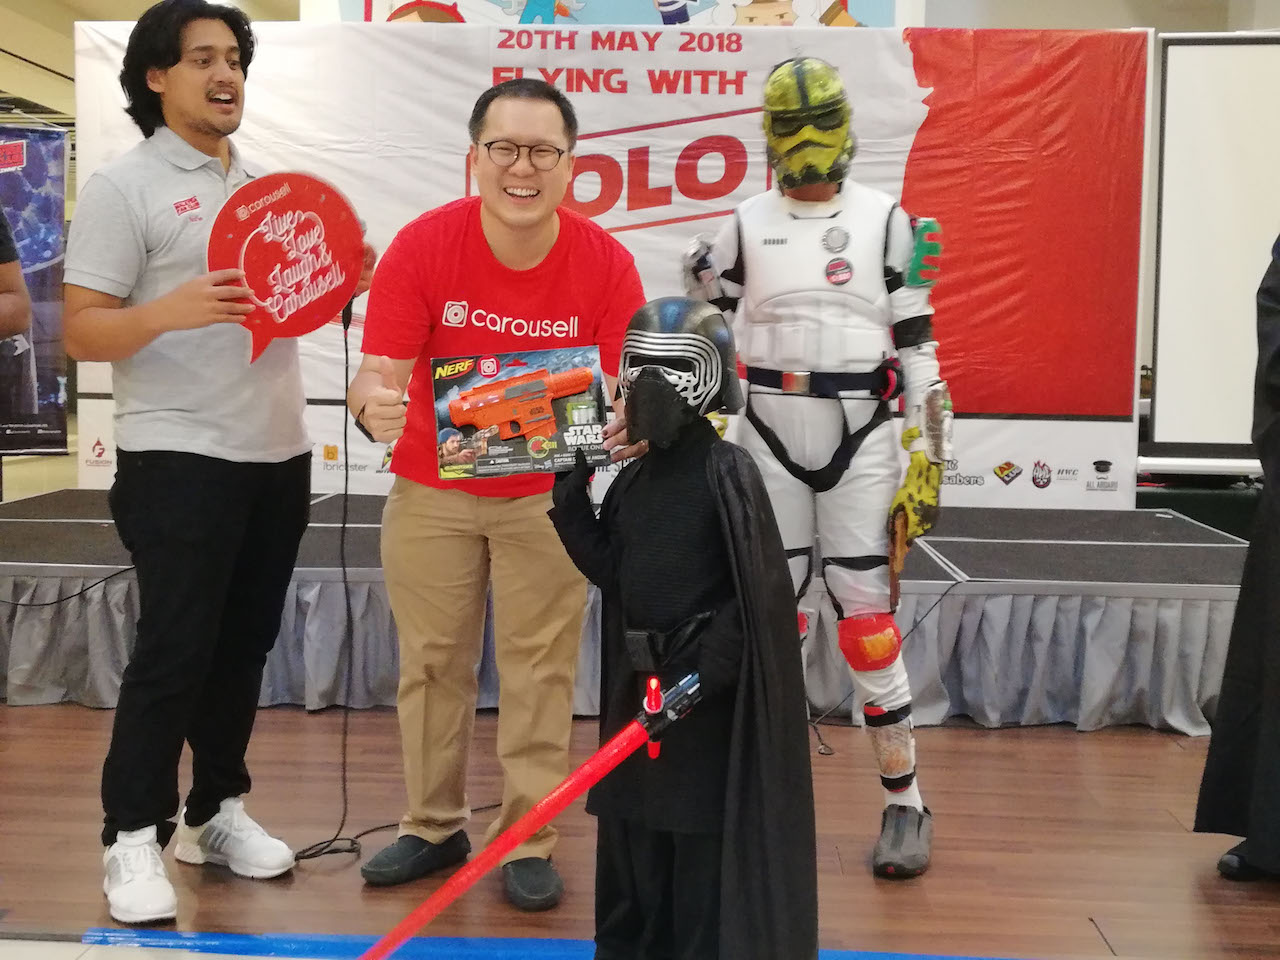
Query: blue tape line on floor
[[321, 946]]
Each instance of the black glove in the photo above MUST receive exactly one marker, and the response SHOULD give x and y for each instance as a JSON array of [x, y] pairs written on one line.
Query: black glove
[[570, 484]]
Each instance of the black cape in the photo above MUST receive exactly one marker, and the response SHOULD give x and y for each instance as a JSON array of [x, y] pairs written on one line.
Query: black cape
[[769, 881], [1240, 790]]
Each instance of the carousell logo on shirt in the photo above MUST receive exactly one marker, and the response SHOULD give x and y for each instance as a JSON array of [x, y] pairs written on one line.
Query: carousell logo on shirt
[[458, 312]]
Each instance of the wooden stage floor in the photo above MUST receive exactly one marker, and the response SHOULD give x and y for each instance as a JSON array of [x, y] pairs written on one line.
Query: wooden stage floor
[[1050, 843]]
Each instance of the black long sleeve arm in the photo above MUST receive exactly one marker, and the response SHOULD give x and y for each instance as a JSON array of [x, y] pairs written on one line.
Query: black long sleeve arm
[[584, 537]]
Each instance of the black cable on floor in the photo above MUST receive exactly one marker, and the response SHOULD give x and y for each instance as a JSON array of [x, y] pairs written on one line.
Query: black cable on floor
[[338, 843]]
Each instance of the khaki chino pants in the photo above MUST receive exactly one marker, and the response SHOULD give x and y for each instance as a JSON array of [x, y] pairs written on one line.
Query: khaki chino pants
[[440, 550]]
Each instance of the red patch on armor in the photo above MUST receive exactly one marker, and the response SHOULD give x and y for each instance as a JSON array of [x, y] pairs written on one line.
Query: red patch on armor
[[870, 642]]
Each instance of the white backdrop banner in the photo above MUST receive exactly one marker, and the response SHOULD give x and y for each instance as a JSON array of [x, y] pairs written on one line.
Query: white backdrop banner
[[670, 142]]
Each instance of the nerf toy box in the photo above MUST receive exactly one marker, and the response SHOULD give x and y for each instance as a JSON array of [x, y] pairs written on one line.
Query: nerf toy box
[[510, 413]]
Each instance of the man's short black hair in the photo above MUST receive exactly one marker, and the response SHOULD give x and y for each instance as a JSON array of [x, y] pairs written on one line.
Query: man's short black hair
[[524, 88], [156, 42]]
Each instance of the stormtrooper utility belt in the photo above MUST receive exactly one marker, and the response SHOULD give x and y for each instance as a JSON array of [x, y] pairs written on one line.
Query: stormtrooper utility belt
[[884, 382]]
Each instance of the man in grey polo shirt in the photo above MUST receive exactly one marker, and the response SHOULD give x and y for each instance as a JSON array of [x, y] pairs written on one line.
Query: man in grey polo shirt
[[212, 484]]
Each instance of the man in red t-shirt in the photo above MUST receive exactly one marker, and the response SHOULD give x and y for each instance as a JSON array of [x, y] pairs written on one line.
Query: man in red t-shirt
[[506, 271]]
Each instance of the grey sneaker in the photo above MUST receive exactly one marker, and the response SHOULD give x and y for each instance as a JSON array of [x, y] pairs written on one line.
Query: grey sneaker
[[905, 844], [412, 857], [532, 884], [233, 839]]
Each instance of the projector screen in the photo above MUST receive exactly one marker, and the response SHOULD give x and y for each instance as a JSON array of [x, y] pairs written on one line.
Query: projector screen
[[1219, 217]]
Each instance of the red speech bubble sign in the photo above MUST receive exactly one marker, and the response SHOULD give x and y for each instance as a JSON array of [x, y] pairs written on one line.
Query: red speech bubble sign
[[299, 243]]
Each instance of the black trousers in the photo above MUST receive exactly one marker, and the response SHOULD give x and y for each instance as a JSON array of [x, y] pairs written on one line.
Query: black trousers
[[214, 543], [1240, 788], [657, 893]]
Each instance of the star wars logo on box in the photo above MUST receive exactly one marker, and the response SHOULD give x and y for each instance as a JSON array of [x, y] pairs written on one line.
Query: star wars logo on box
[[498, 415]]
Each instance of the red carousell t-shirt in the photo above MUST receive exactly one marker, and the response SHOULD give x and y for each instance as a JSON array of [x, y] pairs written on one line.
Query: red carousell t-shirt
[[440, 292]]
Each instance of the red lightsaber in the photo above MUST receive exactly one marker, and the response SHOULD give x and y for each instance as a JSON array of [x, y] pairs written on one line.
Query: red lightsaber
[[676, 702]]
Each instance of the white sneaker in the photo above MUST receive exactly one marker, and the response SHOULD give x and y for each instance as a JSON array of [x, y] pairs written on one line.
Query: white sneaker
[[137, 889], [232, 838]]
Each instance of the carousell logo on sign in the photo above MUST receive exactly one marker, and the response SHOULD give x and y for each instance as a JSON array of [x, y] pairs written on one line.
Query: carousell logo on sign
[[693, 162]]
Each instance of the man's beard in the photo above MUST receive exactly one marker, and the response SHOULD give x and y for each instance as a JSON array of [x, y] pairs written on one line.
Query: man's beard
[[217, 127]]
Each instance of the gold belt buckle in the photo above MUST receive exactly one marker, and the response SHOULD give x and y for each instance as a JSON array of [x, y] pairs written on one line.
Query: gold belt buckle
[[794, 381]]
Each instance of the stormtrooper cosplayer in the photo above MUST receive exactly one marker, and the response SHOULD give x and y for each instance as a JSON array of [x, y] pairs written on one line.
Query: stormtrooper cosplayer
[[829, 281]]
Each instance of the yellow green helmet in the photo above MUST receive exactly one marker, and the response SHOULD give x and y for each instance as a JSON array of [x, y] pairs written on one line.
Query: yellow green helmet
[[806, 123]]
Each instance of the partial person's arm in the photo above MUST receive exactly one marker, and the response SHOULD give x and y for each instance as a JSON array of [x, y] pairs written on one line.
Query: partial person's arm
[[98, 326], [1266, 391], [713, 267], [910, 271], [376, 396], [911, 267], [585, 538], [15, 302], [396, 328]]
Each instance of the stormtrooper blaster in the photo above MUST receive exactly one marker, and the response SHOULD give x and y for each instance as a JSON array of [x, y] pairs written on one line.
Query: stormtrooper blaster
[[660, 711]]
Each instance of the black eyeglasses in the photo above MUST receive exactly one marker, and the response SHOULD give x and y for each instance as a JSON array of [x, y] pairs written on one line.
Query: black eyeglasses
[[504, 153]]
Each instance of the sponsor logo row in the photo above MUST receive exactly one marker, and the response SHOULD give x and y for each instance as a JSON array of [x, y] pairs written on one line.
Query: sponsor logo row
[[1097, 478]]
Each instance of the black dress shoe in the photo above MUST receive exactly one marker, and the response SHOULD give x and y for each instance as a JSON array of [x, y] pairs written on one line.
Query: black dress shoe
[[1234, 865], [532, 884], [412, 857]]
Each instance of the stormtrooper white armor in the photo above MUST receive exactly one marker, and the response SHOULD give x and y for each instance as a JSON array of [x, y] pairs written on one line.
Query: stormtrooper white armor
[[829, 281], [818, 288]]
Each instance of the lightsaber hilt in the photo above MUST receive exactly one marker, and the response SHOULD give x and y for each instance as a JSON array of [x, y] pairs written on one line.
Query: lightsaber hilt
[[674, 704]]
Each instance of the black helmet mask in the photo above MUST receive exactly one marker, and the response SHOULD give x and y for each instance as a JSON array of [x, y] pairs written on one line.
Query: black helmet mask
[[678, 363]]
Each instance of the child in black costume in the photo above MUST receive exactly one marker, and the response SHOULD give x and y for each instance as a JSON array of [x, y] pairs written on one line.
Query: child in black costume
[[708, 851]]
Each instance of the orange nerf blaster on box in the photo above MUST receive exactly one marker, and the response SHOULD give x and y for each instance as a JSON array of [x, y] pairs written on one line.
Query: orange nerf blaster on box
[[519, 406]]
